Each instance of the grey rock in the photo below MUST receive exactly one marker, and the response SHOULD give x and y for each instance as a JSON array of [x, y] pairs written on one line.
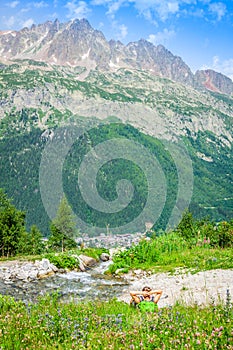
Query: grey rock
[[82, 266], [27, 271], [87, 260], [214, 81], [104, 257]]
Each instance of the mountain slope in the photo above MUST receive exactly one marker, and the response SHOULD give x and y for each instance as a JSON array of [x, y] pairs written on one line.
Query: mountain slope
[[214, 81], [76, 43], [59, 75], [36, 98], [56, 93]]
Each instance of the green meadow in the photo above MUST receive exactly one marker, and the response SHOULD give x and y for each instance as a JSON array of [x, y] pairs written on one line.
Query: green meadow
[[51, 324]]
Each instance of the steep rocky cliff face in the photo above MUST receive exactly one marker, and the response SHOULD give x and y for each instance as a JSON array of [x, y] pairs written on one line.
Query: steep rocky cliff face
[[76, 43], [215, 81], [159, 106]]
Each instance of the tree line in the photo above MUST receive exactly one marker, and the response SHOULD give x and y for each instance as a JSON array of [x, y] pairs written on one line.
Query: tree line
[[15, 239]]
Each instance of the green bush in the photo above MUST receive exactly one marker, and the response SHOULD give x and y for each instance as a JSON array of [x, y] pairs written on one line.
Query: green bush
[[63, 260], [149, 252]]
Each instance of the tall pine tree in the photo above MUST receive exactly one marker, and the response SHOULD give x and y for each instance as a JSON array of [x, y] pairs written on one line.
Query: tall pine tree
[[12, 226], [63, 228]]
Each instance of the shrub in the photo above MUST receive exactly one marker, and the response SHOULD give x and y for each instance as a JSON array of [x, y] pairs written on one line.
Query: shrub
[[63, 260]]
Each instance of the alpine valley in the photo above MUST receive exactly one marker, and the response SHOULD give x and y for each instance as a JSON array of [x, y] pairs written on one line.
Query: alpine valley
[[61, 74]]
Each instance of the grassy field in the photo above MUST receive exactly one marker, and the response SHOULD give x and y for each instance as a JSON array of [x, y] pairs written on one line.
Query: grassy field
[[51, 324], [168, 252]]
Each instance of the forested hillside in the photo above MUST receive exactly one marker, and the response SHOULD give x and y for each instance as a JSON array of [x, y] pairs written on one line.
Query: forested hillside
[[21, 156]]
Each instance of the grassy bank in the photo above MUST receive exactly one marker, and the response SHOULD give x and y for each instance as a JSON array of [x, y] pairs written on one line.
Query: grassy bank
[[51, 324], [170, 251]]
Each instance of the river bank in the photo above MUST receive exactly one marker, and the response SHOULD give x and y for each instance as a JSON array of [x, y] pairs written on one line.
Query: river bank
[[202, 288], [27, 281]]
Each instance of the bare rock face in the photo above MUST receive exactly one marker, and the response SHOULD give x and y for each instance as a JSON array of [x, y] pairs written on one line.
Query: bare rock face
[[159, 60], [214, 81], [76, 43]]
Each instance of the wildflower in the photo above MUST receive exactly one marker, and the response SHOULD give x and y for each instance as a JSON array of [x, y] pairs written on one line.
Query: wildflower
[[118, 320]]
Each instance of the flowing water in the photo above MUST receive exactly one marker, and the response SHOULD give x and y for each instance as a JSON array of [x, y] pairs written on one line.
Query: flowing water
[[77, 286]]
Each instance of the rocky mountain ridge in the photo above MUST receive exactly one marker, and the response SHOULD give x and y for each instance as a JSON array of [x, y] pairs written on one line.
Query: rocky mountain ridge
[[47, 95], [76, 43]]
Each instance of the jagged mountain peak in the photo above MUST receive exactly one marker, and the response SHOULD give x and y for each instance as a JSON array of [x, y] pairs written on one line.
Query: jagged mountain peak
[[81, 24], [76, 43]]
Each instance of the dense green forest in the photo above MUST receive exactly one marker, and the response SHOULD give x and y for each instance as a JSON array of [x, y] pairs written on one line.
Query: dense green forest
[[21, 155]]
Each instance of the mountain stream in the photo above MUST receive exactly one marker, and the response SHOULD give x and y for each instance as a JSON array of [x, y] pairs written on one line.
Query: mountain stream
[[73, 285]]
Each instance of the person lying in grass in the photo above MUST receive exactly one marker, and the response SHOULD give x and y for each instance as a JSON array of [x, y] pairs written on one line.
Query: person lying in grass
[[145, 295]]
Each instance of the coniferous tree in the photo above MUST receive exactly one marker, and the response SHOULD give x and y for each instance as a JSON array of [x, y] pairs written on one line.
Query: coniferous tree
[[31, 243], [12, 226], [186, 227], [63, 228]]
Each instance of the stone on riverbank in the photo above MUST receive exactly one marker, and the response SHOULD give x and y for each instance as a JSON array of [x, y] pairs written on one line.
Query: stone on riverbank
[[11, 271], [86, 261], [104, 257]]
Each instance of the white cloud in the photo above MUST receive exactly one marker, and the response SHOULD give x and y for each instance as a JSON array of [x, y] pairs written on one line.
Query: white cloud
[[114, 6], [123, 31], [150, 9], [225, 67], [78, 9], [120, 30], [101, 25], [218, 9], [101, 2], [157, 8], [154, 10], [40, 4], [9, 21], [161, 37], [13, 4], [24, 10], [28, 23]]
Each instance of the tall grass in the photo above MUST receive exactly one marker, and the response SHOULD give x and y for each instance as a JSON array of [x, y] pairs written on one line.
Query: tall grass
[[96, 325], [169, 251]]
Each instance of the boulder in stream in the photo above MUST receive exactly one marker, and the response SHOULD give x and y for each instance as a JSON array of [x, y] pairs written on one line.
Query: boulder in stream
[[87, 261]]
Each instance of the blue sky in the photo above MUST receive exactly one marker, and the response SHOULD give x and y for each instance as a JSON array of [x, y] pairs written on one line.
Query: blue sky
[[199, 31]]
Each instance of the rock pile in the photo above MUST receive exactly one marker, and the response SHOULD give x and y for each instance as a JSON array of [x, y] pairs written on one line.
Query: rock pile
[[11, 271], [26, 271]]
